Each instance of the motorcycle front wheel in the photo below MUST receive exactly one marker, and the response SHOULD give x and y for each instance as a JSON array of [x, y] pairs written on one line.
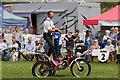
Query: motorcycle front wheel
[[80, 68]]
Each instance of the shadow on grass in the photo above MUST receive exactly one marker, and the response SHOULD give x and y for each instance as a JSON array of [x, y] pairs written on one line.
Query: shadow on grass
[[61, 75]]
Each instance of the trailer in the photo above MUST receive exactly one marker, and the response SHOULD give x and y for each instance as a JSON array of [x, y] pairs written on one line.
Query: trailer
[[67, 14]]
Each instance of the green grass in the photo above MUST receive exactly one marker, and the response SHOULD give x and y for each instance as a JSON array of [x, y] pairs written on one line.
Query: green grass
[[22, 69]]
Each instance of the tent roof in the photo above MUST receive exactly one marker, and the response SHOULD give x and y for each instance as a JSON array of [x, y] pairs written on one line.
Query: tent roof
[[111, 15], [11, 19]]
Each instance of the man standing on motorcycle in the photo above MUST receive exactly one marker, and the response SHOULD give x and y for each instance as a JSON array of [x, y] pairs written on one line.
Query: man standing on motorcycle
[[49, 27]]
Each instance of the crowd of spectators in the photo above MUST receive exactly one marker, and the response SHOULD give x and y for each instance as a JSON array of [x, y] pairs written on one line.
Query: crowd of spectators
[[111, 41]]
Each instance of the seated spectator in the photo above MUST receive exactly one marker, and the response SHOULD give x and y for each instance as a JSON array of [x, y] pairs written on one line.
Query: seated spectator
[[46, 46], [40, 47], [3, 48], [91, 42], [80, 48], [88, 53], [110, 48], [30, 47], [3, 45], [14, 44], [14, 55]]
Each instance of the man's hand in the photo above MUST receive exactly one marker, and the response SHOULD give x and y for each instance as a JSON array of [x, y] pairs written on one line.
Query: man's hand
[[56, 29], [62, 27]]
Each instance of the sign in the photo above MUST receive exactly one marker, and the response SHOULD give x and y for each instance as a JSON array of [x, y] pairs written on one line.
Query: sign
[[95, 52], [103, 55], [1, 15]]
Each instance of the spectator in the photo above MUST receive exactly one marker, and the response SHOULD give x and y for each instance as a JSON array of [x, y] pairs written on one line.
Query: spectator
[[14, 55], [3, 48], [69, 41], [25, 37], [110, 48], [1, 33], [3, 45], [91, 42], [113, 36], [88, 38], [46, 47], [118, 35], [77, 36], [14, 44], [29, 47], [118, 52], [39, 48], [80, 48], [57, 42], [116, 30], [88, 53], [106, 37], [18, 36], [41, 45]]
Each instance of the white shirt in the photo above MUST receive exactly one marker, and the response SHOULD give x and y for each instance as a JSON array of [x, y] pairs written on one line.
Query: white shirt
[[30, 47], [18, 36], [3, 45], [105, 37], [14, 45], [48, 25], [25, 36], [110, 47]]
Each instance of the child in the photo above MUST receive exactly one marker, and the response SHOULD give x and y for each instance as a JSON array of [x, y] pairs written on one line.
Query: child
[[88, 53], [57, 42], [14, 55]]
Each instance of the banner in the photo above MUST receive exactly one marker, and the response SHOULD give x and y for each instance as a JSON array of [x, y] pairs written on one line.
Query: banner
[[103, 55], [1, 15]]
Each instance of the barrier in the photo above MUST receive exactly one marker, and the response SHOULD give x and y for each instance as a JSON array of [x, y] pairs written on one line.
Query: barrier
[[102, 54]]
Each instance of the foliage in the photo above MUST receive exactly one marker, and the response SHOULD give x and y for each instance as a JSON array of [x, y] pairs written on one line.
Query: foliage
[[105, 6]]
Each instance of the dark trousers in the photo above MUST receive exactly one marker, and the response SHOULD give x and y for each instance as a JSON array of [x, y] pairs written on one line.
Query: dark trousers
[[19, 45], [69, 49], [58, 52], [48, 38]]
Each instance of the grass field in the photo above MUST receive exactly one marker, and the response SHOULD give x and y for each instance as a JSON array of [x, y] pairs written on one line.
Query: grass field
[[22, 69]]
